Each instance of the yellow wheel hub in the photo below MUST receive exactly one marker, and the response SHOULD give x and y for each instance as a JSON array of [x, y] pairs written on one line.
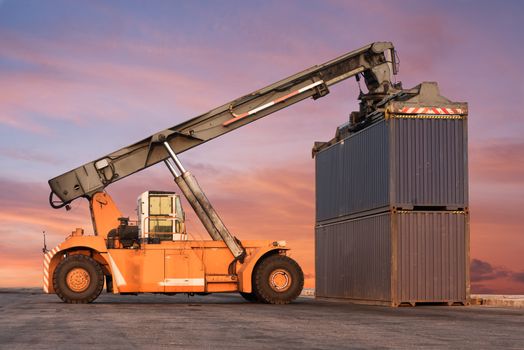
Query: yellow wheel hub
[[78, 279], [280, 280]]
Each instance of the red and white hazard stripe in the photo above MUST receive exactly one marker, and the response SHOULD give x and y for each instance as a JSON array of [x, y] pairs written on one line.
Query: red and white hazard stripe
[[431, 110], [272, 103], [47, 260]]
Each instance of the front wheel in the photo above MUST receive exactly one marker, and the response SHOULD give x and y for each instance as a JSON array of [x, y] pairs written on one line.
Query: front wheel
[[278, 279], [78, 279]]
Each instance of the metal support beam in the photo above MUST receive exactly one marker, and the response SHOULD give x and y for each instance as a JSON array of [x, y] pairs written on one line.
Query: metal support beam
[[199, 211], [201, 204]]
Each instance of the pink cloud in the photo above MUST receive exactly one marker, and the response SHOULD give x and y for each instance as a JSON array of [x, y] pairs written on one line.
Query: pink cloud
[[489, 279], [74, 83], [72, 88], [497, 161], [28, 155]]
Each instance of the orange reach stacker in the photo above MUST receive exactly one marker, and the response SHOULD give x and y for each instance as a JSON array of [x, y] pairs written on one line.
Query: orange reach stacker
[[154, 255]]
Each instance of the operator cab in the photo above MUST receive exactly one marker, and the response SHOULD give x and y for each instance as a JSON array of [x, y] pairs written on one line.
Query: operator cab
[[160, 217]]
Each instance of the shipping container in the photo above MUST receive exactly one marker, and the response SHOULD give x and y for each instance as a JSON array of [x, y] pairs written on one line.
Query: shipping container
[[395, 257], [397, 162], [412, 157]]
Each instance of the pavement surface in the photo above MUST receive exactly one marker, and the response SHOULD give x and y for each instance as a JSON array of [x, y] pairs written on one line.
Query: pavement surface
[[30, 319]]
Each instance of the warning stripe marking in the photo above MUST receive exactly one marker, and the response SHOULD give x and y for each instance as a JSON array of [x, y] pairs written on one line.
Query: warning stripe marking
[[119, 278], [47, 260], [272, 103], [431, 110], [426, 116]]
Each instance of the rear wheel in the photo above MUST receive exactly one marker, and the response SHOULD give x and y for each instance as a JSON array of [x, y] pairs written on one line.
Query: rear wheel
[[78, 279], [278, 279]]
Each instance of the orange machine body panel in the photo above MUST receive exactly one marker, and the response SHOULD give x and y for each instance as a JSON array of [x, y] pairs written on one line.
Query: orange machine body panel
[[105, 213], [167, 267]]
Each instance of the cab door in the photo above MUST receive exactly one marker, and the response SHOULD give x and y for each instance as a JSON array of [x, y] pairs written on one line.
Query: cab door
[[184, 271]]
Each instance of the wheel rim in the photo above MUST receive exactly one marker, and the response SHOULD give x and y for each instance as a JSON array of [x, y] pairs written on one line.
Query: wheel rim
[[78, 279], [280, 280]]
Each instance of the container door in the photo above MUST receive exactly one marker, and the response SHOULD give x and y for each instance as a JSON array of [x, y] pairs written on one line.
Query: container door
[[432, 256]]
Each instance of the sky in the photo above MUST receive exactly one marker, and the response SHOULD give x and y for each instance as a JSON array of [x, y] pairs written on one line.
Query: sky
[[81, 79]]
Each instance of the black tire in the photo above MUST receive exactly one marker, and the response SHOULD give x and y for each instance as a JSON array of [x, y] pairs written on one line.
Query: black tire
[[251, 297], [78, 279], [277, 267]]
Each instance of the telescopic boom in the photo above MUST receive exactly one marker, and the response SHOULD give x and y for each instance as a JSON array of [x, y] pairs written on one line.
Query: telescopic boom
[[375, 62]]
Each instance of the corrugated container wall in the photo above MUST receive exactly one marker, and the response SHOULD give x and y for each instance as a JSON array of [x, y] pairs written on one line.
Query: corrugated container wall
[[399, 162], [395, 257], [392, 203]]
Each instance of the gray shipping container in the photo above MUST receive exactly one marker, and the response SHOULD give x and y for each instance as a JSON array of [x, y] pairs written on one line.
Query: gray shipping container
[[416, 156], [395, 257], [398, 162]]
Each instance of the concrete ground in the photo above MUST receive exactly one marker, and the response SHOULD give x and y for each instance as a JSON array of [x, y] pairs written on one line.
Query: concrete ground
[[29, 319]]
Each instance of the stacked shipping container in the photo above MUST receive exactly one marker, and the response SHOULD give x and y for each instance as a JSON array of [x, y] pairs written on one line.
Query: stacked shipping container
[[391, 206]]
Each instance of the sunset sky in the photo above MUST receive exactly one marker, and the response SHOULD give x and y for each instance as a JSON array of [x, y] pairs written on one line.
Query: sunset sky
[[82, 79]]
